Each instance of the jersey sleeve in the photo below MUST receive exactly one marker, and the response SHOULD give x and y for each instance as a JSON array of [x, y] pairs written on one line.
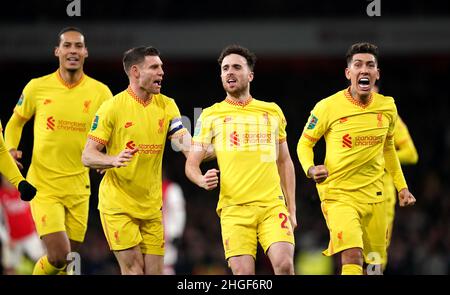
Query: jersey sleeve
[[317, 124], [26, 105], [203, 133], [392, 162], [282, 123], [103, 123], [393, 118], [314, 129], [7, 165], [176, 127], [105, 93]]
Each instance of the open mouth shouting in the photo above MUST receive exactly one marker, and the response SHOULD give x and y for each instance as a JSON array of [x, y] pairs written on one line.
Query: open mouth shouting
[[364, 84], [157, 83]]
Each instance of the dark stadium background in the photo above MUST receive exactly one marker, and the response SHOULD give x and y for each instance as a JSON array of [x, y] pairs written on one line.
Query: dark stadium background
[[297, 66]]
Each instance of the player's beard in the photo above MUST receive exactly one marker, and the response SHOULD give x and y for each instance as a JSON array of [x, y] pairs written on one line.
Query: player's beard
[[72, 70], [364, 95], [237, 91]]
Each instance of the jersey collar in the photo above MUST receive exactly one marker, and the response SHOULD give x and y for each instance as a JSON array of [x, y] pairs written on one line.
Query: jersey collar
[[237, 103], [136, 98], [68, 85], [349, 96]]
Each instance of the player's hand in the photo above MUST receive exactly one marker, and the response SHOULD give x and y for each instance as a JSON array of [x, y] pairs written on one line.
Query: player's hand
[[101, 171], [405, 198], [125, 156], [27, 191], [210, 180], [319, 173], [17, 155]]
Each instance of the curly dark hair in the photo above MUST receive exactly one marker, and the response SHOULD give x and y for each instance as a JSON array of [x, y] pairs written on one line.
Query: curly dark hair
[[242, 51]]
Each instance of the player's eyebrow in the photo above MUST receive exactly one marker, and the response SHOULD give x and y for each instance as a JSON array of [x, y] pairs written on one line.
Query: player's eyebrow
[[360, 60], [70, 42], [232, 65], [155, 65]]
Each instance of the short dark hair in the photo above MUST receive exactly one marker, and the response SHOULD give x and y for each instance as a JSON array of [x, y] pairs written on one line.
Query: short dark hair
[[137, 55], [363, 47], [69, 29], [242, 51]]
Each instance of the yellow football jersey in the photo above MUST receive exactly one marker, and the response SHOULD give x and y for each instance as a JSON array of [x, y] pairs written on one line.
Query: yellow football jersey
[[63, 114], [128, 122], [407, 154], [7, 165], [355, 137], [245, 139]]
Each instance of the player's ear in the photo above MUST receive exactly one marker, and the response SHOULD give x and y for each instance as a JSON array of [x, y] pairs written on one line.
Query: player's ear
[[347, 73], [134, 71], [378, 74], [251, 76], [56, 51], [86, 52]]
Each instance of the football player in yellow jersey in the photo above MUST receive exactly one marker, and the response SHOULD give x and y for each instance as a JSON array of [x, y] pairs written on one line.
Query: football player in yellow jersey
[[358, 126], [407, 155], [134, 126], [257, 183], [63, 104], [9, 169]]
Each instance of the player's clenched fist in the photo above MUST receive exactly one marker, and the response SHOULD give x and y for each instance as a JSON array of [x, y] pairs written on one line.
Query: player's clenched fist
[[210, 180], [319, 173], [406, 198]]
